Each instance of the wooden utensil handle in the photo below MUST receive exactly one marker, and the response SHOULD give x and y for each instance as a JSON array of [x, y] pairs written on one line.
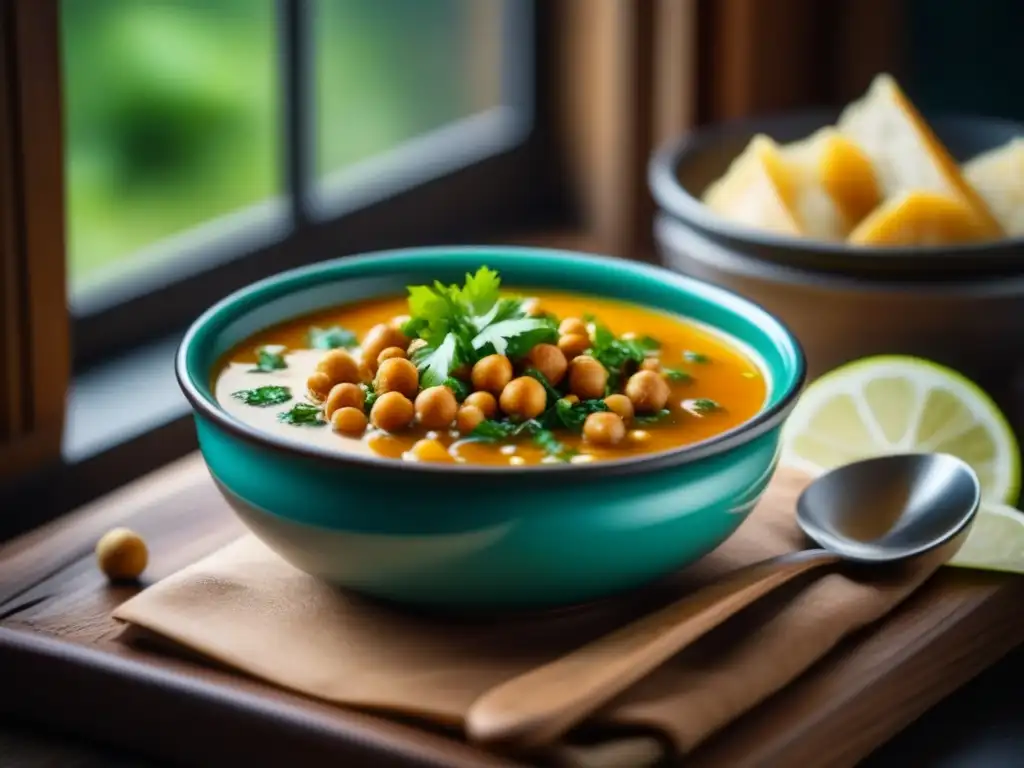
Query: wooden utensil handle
[[539, 706]]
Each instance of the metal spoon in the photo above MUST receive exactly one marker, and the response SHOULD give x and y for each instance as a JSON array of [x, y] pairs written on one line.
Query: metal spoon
[[877, 511]]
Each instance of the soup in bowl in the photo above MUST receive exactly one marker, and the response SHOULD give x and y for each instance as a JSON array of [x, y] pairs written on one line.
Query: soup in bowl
[[489, 427]]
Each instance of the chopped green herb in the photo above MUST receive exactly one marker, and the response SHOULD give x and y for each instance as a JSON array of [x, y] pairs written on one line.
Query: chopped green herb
[[567, 415], [619, 356], [369, 397], [462, 324], [332, 338], [550, 444], [696, 357], [702, 405], [269, 359], [302, 415], [515, 337], [261, 397], [674, 374], [458, 387], [651, 418], [492, 431], [553, 394]]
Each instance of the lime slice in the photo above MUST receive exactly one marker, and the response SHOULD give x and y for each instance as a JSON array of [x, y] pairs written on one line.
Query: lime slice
[[996, 541], [893, 404]]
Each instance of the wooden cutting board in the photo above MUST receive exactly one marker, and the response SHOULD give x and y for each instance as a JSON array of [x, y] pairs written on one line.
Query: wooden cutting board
[[58, 649]]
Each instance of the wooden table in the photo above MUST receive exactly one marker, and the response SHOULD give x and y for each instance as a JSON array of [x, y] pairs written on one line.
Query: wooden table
[[50, 589]]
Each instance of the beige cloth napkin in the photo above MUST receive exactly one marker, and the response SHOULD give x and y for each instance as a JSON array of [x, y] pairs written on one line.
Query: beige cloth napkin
[[245, 607]]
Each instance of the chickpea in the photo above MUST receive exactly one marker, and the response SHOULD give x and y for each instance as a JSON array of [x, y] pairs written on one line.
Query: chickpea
[[573, 326], [550, 361], [379, 338], [344, 395], [319, 385], [651, 364], [587, 378], [392, 412], [573, 344], [391, 353], [397, 375], [436, 407], [414, 345], [431, 450], [349, 421], [339, 366], [468, 418], [524, 398], [604, 428], [491, 374], [620, 405], [571, 399], [647, 391], [485, 401], [122, 554], [532, 308]]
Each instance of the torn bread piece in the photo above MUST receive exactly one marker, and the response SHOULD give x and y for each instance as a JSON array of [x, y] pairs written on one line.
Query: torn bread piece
[[998, 176], [836, 185], [921, 217], [757, 190], [906, 154]]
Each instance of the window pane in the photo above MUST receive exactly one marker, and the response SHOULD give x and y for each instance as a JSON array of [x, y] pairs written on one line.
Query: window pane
[[171, 120], [392, 70]]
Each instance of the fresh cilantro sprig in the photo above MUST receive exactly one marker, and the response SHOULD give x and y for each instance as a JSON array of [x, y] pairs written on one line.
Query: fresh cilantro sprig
[[302, 415], [334, 337], [269, 358], [462, 324], [369, 397], [263, 397], [651, 418], [566, 415], [702, 406], [696, 357]]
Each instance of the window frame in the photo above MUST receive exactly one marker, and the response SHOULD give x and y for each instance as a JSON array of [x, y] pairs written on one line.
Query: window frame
[[504, 182]]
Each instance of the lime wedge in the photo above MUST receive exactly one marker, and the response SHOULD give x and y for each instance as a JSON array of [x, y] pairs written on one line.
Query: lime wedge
[[996, 541], [894, 404]]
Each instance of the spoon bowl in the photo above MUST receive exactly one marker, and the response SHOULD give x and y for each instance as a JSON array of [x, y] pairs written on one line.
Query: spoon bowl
[[883, 510], [890, 508]]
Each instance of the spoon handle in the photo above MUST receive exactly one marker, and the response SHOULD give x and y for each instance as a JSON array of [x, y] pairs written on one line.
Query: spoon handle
[[542, 704]]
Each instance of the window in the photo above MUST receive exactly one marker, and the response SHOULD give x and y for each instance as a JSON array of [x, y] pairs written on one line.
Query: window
[[211, 142]]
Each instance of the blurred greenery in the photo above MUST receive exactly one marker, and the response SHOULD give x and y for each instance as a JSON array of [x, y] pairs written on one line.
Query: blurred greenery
[[174, 112]]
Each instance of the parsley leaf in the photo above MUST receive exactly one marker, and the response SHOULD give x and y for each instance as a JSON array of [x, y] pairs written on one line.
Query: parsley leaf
[[458, 387], [696, 357], [550, 444], [515, 337], [480, 291], [567, 415], [332, 338], [269, 358], [651, 418], [369, 397], [435, 363], [261, 397], [492, 431], [553, 394], [619, 356], [302, 415], [702, 406], [674, 374]]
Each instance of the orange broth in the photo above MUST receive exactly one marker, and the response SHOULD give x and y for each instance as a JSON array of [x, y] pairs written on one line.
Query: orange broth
[[728, 377]]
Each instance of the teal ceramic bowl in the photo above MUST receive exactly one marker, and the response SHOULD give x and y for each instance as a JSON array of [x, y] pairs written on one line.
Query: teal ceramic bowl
[[471, 538]]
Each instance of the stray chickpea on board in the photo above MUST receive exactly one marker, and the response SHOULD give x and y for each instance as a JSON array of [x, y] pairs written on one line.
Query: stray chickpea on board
[[122, 554]]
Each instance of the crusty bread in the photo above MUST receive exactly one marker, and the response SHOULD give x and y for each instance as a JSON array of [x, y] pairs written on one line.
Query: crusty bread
[[756, 190], [905, 153], [998, 176], [921, 217], [835, 184]]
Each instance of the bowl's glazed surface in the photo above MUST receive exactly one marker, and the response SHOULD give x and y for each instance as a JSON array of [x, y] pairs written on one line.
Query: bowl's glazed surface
[[478, 537]]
